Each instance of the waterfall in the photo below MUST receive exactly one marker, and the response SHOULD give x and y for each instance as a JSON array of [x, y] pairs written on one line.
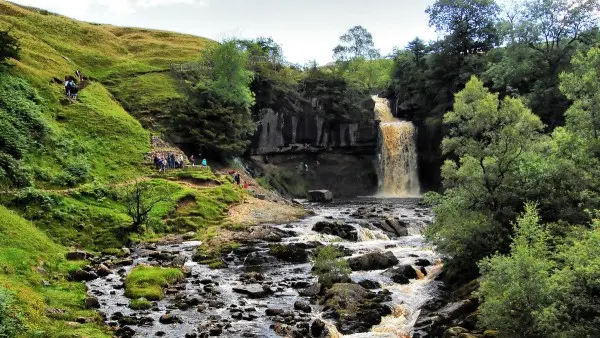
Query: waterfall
[[397, 173]]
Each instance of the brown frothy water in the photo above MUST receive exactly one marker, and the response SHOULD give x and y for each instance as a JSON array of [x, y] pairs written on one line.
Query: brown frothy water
[[398, 175]]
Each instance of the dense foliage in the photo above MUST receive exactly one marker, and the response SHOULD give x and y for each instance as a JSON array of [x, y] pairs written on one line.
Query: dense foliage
[[9, 47], [22, 129], [215, 119], [519, 180]]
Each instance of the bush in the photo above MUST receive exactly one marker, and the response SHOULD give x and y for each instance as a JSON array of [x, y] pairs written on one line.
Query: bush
[[10, 320], [22, 128], [9, 47], [329, 267], [140, 304]]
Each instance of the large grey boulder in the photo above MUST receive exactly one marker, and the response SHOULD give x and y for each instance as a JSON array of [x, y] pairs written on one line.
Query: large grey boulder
[[321, 196], [373, 261]]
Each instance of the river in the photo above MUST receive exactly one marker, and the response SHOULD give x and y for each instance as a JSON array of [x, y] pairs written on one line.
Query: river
[[211, 298]]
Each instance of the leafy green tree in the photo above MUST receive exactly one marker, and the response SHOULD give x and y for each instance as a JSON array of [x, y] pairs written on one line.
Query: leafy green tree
[[215, 118], [419, 49], [357, 42], [9, 47], [516, 287], [575, 301], [370, 74], [229, 78], [140, 199], [582, 87], [487, 141], [470, 25]]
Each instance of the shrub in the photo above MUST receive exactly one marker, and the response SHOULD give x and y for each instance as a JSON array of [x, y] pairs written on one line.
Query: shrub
[[10, 320], [329, 267], [140, 304]]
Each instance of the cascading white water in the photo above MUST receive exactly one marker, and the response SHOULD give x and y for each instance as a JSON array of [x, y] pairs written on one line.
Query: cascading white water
[[397, 170]]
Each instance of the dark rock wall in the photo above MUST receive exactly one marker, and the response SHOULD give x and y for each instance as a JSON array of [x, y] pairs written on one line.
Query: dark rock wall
[[281, 132]]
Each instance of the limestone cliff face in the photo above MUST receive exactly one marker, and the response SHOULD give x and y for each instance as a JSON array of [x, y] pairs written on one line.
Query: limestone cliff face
[[310, 131]]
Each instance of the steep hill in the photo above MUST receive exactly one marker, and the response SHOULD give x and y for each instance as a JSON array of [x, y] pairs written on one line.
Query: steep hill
[[123, 64]]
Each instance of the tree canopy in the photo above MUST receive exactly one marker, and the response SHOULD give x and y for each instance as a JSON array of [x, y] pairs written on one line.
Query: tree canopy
[[357, 42]]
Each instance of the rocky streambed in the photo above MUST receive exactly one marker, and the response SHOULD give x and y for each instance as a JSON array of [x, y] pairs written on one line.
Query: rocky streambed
[[267, 289]]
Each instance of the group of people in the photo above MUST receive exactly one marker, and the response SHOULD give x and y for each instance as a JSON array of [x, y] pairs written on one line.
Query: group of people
[[173, 161], [71, 88], [237, 178]]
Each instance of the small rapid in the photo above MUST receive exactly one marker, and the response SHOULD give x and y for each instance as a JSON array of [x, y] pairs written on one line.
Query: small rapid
[[215, 293]]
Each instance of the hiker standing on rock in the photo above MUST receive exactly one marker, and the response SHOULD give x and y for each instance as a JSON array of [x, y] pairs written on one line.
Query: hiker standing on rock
[[193, 161], [78, 74], [237, 179], [204, 163], [67, 91]]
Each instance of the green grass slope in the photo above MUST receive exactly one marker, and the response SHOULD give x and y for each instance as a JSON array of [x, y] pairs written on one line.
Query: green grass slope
[[33, 269], [129, 68]]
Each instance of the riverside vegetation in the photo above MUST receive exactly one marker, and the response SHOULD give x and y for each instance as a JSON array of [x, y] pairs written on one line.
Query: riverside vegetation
[[506, 104]]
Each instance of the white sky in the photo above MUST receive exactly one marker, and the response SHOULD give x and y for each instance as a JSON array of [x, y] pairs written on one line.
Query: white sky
[[307, 29]]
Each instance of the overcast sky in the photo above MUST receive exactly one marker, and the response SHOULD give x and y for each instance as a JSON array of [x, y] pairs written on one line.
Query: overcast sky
[[307, 29]]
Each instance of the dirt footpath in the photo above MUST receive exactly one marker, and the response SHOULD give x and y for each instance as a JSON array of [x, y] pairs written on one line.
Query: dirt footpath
[[255, 211]]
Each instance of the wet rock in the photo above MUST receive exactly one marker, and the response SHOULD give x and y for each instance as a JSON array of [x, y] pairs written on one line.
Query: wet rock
[[422, 262], [320, 196], [402, 274], [253, 290], [291, 253], [311, 291], [340, 229], [274, 312], [168, 318], [179, 261], [122, 262], [215, 331], [282, 329], [77, 255], [80, 275], [369, 284], [191, 335], [302, 305], [318, 329], [373, 261], [355, 308], [103, 270], [259, 258], [92, 303], [272, 237], [125, 332], [160, 334]]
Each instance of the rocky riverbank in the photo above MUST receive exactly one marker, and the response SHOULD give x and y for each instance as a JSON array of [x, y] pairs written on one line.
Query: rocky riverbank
[[266, 288]]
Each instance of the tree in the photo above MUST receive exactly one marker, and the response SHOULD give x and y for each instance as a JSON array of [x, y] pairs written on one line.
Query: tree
[[515, 288], [140, 199], [215, 118], [357, 42], [487, 141], [582, 87], [470, 25], [9, 47], [229, 77], [419, 49]]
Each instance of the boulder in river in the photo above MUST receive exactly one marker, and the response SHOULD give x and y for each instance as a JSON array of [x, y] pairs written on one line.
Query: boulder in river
[[77, 255], [340, 229], [321, 196], [168, 318], [318, 329], [402, 274], [253, 290], [80, 275], [92, 303], [369, 284], [292, 253], [373, 261], [355, 308], [302, 305]]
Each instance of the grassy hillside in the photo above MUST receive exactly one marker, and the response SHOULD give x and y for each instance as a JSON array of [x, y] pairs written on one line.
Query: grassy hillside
[[32, 282], [81, 157], [129, 67]]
